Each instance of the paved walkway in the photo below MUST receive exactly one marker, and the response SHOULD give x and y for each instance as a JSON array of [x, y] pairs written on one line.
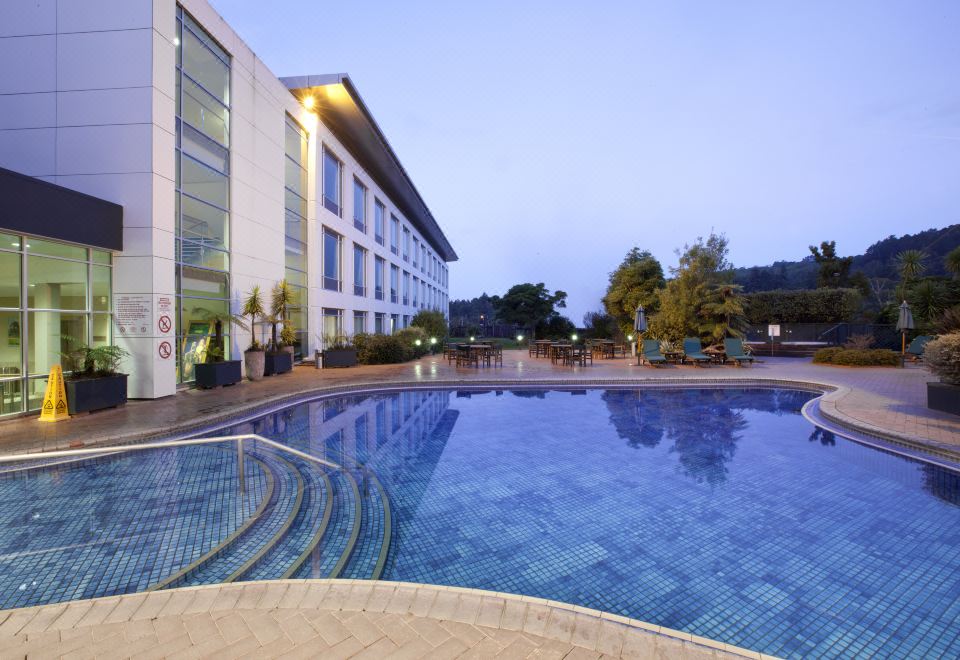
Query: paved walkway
[[887, 400], [337, 619]]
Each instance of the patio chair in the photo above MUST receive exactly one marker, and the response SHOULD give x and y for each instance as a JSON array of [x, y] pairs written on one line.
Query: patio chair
[[915, 349], [693, 350], [467, 356], [733, 347], [651, 353]]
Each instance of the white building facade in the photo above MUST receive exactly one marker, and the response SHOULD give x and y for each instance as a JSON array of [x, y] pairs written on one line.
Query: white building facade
[[228, 177]]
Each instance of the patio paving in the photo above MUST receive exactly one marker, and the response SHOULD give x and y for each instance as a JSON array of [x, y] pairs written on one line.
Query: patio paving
[[884, 400], [338, 619]]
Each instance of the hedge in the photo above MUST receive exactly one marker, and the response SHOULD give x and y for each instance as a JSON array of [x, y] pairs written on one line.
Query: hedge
[[391, 349], [802, 306], [854, 357]]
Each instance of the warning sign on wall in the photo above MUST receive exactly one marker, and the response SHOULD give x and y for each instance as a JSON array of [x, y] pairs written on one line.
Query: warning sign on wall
[[164, 315], [133, 314]]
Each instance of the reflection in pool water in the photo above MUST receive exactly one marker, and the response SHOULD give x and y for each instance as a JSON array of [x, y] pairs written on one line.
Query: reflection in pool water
[[721, 512]]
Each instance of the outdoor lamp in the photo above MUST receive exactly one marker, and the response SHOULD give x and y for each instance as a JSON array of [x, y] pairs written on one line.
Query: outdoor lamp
[[573, 337], [418, 342], [309, 102], [519, 337], [433, 340], [629, 337], [472, 338]]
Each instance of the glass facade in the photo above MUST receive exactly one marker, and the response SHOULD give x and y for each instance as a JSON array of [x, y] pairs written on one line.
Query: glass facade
[[53, 298], [379, 212], [359, 322], [359, 271], [359, 206], [394, 235], [296, 144], [331, 260], [202, 190], [379, 265], [394, 284], [332, 181], [332, 324]]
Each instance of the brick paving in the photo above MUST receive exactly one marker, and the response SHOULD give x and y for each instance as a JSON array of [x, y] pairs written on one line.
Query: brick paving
[[338, 619], [887, 400]]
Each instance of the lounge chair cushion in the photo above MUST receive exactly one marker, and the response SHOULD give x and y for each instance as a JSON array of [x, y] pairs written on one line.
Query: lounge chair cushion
[[693, 349]]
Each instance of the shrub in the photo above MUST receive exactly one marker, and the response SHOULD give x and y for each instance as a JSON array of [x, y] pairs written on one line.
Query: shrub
[[408, 337], [943, 356], [434, 323], [857, 357], [379, 349], [859, 342], [802, 306]]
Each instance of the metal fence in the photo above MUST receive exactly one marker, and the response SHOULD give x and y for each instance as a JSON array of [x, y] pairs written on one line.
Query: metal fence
[[827, 334]]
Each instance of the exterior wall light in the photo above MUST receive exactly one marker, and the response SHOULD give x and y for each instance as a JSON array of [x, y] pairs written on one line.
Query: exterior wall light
[[629, 337], [309, 102]]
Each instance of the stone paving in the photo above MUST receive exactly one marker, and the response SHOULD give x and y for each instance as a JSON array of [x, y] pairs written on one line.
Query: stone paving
[[337, 619], [886, 400]]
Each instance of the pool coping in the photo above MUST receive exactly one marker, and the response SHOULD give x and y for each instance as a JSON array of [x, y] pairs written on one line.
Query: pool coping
[[550, 620]]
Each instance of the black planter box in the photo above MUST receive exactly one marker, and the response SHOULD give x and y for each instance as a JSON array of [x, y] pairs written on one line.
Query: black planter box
[[87, 394], [277, 363], [215, 374], [943, 397], [340, 357]]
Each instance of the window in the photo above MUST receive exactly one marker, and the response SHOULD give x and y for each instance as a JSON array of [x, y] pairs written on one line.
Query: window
[[394, 283], [53, 297], [359, 206], [379, 265], [202, 191], [331, 181], [423, 294], [359, 323], [378, 321], [359, 271], [331, 260], [394, 323], [406, 320], [379, 212], [332, 324], [416, 289], [406, 244], [416, 250], [394, 235], [295, 247], [406, 288], [423, 258]]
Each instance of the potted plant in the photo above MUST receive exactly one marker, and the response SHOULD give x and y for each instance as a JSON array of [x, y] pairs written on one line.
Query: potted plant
[[942, 355], [253, 357], [92, 381], [215, 371], [278, 359], [339, 351]]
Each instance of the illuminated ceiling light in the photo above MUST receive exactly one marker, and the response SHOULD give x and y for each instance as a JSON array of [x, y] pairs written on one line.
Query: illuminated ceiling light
[[176, 41], [309, 102]]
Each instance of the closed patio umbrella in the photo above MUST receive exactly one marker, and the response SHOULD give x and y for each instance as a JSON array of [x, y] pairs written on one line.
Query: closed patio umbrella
[[904, 323], [640, 321]]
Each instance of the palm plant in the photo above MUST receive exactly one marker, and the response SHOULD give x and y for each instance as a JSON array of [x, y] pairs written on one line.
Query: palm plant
[[910, 264], [952, 262], [216, 352], [722, 313], [253, 308], [283, 297]]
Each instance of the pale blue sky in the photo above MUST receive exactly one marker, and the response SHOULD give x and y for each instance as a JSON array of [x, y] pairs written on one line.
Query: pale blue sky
[[550, 137]]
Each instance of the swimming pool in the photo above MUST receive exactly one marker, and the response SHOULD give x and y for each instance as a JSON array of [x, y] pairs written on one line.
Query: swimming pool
[[720, 512]]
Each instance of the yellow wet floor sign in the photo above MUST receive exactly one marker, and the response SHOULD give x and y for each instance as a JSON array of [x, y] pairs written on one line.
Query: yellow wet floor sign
[[54, 398]]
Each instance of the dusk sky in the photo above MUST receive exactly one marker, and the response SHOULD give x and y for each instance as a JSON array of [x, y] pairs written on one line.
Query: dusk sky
[[550, 137]]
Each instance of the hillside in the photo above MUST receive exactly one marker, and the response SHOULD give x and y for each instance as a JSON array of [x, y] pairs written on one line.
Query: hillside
[[879, 260]]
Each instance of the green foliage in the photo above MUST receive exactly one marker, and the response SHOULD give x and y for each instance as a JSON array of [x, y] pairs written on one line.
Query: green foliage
[[555, 327], [948, 322], [635, 282], [433, 322], [600, 325], [927, 299], [682, 310], [283, 297], [333, 342], [83, 361], [833, 271], [722, 313], [379, 349], [942, 355], [409, 338], [253, 308], [529, 305], [216, 351], [803, 306], [466, 312], [853, 357], [951, 262]]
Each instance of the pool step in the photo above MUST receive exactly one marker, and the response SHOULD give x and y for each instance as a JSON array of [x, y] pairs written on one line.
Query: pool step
[[329, 557], [308, 528], [370, 552], [232, 559]]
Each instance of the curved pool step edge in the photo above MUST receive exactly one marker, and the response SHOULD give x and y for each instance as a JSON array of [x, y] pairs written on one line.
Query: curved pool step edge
[[355, 532], [580, 626], [387, 530], [231, 539], [318, 535]]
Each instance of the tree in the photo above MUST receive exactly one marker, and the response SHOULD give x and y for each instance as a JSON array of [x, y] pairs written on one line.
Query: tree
[[600, 325], [952, 262], [701, 266], [528, 305], [722, 314], [635, 282], [433, 322], [833, 271]]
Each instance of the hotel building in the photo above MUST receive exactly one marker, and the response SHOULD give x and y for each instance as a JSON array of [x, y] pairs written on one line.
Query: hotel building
[[153, 170]]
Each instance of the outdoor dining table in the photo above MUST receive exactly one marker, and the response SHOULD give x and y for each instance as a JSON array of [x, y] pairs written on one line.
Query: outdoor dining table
[[542, 346]]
